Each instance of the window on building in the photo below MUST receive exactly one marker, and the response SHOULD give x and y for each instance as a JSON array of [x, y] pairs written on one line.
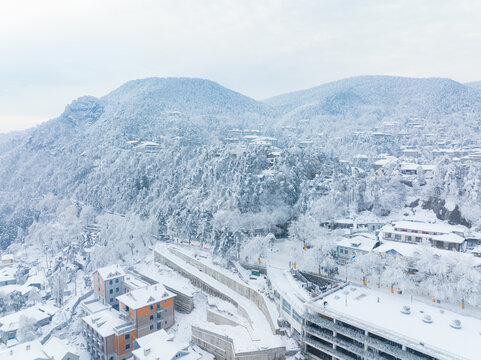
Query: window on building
[[346, 252], [158, 315], [387, 235], [116, 290], [110, 282], [286, 306], [397, 237], [276, 294], [111, 299], [111, 291], [116, 281], [159, 326], [151, 317], [418, 239], [158, 306], [151, 327], [127, 346], [165, 322], [409, 238], [151, 307], [296, 316], [127, 336]]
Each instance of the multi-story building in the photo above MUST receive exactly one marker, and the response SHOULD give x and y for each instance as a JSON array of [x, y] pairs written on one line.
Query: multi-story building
[[109, 335], [340, 321], [107, 283], [360, 323], [441, 236], [143, 309], [150, 308]]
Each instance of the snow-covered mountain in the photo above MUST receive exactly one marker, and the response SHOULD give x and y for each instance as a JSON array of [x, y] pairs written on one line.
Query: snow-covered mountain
[[391, 94], [190, 158], [475, 84]]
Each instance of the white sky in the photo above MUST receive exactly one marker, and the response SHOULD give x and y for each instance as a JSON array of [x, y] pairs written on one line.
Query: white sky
[[53, 51]]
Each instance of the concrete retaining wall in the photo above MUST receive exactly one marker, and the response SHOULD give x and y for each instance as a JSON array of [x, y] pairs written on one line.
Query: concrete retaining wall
[[219, 319], [237, 286], [223, 348]]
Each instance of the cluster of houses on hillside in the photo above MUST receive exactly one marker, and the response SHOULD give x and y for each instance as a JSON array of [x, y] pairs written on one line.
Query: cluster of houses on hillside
[[249, 136], [402, 238], [26, 309]]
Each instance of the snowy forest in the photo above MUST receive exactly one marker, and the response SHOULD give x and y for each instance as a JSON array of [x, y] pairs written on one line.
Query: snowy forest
[[190, 159]]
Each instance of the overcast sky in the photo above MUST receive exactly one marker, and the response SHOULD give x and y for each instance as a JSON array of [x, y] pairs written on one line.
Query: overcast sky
[[53, 51]]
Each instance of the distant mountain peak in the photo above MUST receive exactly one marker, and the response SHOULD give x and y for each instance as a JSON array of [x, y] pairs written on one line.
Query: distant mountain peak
[[419, 94], [190, 95]]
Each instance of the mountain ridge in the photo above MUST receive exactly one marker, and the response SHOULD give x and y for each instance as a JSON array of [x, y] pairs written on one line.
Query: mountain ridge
[[223, 164]]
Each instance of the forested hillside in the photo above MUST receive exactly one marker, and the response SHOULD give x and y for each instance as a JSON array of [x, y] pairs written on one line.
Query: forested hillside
[[192, 159]]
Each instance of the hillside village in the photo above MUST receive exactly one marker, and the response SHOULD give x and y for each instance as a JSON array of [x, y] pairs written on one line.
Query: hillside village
[[278, 299], [240, 180], [293, 228]]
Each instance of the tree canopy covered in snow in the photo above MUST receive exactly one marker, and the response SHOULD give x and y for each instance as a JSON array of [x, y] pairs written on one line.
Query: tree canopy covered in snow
[[190, 159]]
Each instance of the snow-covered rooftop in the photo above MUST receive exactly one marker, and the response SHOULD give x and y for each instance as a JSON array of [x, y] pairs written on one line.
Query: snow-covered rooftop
[[403, 249], [9, 289], [38, 313], [31, 350], [413, 167], [7, 274], [440, 228], [110, 272], [450, 238], [141, 297], [94, 306], [134, 282], [380, 313], [106, 322], [414, 250], [385, 161], [57, 348], [38, 278], [160, 345], [363, 242]]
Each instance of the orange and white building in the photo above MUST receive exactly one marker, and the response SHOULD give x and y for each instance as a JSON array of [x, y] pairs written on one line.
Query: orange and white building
[[143, 310], [109, 335], [149, 308], [107, 283]]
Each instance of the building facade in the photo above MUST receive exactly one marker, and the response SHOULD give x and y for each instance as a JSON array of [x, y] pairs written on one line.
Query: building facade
[[440, 236], [349, 248], [149, 309], [109, 335], [107, 283]]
